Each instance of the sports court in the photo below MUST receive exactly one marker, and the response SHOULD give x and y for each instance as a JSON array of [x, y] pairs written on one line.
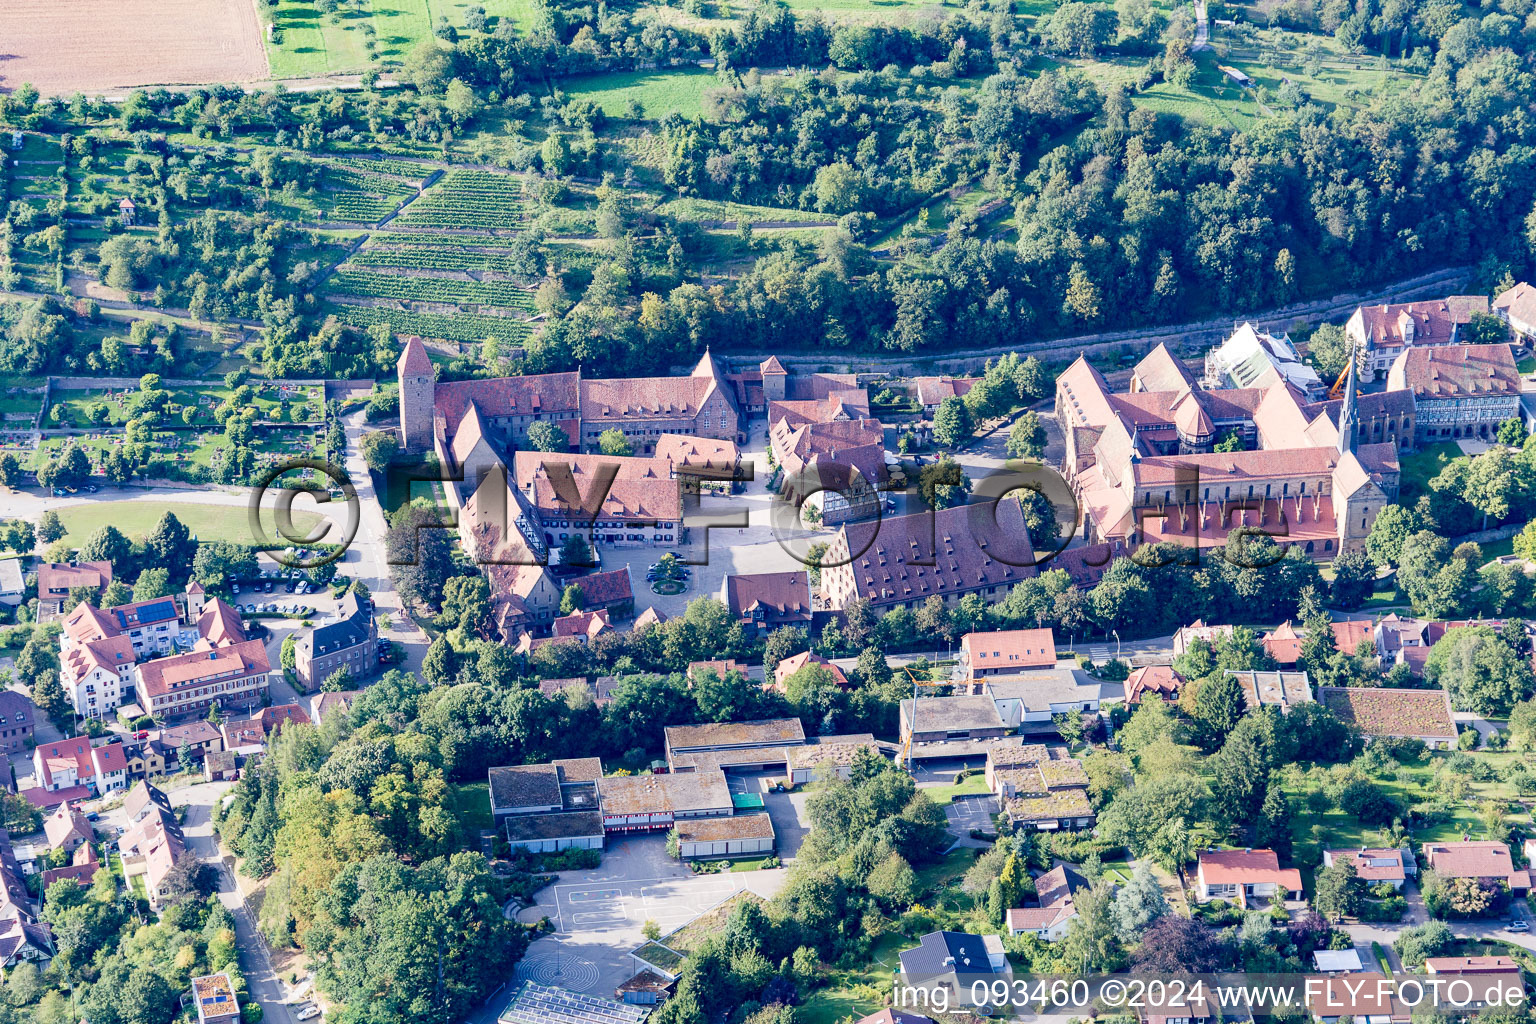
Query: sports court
[[622, 906]]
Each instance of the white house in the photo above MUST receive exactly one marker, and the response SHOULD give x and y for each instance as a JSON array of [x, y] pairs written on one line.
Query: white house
[[1249, 877]]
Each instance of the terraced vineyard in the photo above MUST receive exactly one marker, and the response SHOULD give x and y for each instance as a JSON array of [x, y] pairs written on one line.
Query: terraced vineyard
[[469, 199], [439, 239], [406, 288], [415, 258], [351, 195], [469, 327], [399, 168]]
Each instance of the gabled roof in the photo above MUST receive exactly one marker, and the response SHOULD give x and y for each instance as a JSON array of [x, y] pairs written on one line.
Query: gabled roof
[[414, 359], [1456, 371]]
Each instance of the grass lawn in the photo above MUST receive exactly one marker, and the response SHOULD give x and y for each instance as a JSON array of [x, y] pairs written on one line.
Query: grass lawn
[[1527, 365], [679, 91], [473, 801], [1335, 829], [976, 785], [754, 864], [1423, 464], [136, 518], [314, 44]]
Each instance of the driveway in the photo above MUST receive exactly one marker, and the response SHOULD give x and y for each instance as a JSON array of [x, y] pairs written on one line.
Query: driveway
[[263, 982]]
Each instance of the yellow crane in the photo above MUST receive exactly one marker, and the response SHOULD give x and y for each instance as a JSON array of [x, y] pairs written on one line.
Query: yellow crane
[[917, 684]]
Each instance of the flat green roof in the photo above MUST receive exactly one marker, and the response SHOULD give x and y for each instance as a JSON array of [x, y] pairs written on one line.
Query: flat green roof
[[746, 801]]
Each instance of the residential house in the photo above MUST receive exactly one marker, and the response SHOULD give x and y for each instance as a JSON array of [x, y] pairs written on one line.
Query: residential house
[[219, 766], [199, 736], [1053, 917], [1184, 636], [1159, 680], [1337, 961], [56, 579], [1374, 866], [350, 641], [142, 800], [63, 764], [765, 601], [24, 939], [67, 829], [1366, 998], [151, 847], [1005, 652], [1424, 715], [82, 869], [1281, 690], [1040, 788], [705, 458], [1248, 877], [889, 1016], [789, 666], [1484, 860], [329, 703], [1284, 642], [13, 587], [214, 996], [145, 758], [18, 718], [953, 961], [1494, 980]]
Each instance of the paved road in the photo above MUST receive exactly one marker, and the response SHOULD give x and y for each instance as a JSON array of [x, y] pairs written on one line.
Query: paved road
[[254, 962]]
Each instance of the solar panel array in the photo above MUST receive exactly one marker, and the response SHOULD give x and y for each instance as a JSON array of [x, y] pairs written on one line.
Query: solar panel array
[[533, 1003]]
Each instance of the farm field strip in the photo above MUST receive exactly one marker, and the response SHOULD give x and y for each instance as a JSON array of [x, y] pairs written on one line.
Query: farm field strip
[[438, 239]]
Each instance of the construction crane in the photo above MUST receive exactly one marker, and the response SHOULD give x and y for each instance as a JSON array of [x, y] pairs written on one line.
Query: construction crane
[[1337, 391], [917, 684]]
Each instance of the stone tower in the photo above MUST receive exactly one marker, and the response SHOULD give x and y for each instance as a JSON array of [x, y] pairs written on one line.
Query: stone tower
[[417, 382], [774, 379]]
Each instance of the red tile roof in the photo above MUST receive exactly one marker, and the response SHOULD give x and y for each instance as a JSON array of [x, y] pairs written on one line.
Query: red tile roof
[[162, 676], [547, 395], [602, 589], [782, 596], [1371, 864], [1159, 679], [414, 358], [1475, 858], [55, 579], [1008, 649], [1456, 371], [1432, 320], [789, 666], [1246, 867]]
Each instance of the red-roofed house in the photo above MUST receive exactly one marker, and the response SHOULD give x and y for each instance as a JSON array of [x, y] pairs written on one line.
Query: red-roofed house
[[1374, 865], [1517, 307], [1053, 918], [55, 580], [232, 677], [82, 869], [1484, 860], [1249, 877], [1005, 651], [63, 764], [764, 601], [1161, 680], [612, 590], [789, 666]]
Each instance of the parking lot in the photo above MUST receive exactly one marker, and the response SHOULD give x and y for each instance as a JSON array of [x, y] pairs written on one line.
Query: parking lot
[[599, 914], [968, 812]]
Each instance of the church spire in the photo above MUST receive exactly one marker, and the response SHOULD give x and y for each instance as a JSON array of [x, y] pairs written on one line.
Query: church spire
[[1348, 414]]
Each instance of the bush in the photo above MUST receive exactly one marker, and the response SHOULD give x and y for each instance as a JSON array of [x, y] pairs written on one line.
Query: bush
[[1389, 909]]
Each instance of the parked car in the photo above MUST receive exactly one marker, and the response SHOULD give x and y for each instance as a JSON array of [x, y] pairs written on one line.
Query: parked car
[[1521, 925], [234, 588], [309, 1012]]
